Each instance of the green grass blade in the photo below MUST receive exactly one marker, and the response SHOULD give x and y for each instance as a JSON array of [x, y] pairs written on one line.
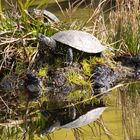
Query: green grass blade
[[21, 5], [41, 3]]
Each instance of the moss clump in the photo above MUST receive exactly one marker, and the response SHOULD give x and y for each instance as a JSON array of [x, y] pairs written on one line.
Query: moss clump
[[87, 64], [43, 71], [78, 79], [75, 77]]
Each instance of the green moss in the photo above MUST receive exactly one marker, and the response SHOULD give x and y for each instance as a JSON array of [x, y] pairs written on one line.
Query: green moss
[[95, 60], [77, 78], [86, 67], [87, 64], [43, 71]]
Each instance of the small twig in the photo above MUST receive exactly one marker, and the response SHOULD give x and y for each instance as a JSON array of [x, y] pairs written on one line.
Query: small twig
[[97, 11], [98, 95], [32, 61], [25, 121], [12, 40], [5, 32], [60, 7], [12, 123], [107, 132], [5, 104], [30, 39]]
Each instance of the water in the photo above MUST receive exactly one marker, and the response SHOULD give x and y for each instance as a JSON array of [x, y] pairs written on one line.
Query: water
[[112, 119], [121, 118], [82, 13]]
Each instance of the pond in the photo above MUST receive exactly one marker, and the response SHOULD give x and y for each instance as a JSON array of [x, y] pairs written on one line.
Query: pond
[[67, 11], [121, 119]]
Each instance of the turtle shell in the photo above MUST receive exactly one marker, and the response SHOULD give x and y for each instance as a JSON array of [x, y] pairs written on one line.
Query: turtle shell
[[79, 40], [47, 14], [51, 16]]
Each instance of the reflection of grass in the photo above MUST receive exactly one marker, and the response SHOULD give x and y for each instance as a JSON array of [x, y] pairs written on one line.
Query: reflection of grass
[[96, 130], [130, 99]]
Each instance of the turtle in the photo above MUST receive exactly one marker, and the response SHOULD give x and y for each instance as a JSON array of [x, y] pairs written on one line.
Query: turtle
[[48, 16], [68, 41], [79, 119]]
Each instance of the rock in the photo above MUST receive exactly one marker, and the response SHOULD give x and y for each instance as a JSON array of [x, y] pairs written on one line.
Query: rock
[[33, 86]]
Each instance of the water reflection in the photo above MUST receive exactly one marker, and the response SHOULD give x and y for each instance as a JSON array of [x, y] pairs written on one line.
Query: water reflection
[[130, 104], [72, 116], [122, 116]]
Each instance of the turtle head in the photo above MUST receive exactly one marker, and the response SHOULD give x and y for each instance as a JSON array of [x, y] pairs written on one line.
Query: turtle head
[[50, 128], [47, 41]]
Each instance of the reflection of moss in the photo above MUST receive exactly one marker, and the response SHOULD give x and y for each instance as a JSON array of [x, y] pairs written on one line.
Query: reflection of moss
[[78, 95], [20, 67]]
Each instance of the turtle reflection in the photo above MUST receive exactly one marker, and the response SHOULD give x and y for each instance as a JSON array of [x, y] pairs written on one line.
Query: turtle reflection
[[71, 116]]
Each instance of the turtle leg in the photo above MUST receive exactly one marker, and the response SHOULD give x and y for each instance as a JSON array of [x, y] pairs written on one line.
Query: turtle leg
[[69, 56]]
